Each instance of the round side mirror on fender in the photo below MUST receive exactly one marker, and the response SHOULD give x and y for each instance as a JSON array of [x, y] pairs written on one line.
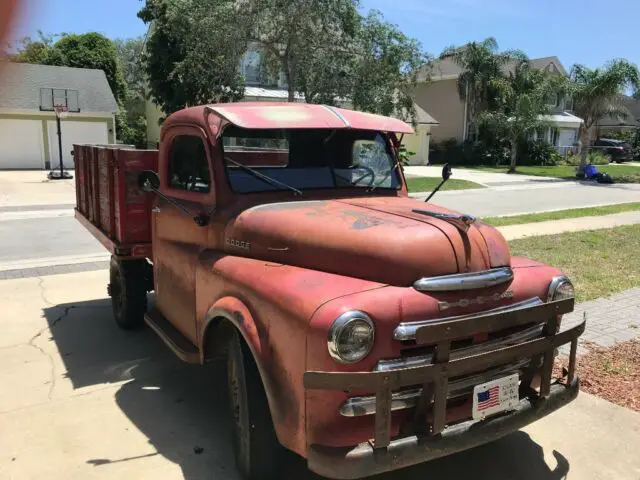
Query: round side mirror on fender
[[446, 172], [148, 181]]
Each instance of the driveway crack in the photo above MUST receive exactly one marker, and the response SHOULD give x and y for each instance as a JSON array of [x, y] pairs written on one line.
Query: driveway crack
[[32, 343]]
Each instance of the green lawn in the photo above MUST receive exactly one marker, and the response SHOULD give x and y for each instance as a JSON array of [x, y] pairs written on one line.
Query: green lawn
[[560, 214], [426, 184], [599, 262], [620, 173]]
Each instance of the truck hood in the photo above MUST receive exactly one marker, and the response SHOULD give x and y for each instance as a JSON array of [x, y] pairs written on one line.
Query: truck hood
[[382, 239]]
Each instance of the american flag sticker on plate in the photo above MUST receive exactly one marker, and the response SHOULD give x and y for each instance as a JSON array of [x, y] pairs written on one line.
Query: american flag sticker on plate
[[495, 396]]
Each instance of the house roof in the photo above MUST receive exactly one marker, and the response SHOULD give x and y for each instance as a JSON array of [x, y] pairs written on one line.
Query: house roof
[[422, 116], [446, 68], [271, 115], [21, 84], [564, 119], [633, 120]]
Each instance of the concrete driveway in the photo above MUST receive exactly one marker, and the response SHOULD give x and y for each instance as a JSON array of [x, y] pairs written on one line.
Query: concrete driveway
[[31, 187], [81, 399]]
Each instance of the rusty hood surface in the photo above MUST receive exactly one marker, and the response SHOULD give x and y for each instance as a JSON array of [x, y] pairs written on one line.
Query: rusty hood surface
[[375, 238]]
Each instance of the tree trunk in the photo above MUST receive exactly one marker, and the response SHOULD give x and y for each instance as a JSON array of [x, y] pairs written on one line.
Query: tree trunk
[[289, 76], [585, 142], [514, 156]]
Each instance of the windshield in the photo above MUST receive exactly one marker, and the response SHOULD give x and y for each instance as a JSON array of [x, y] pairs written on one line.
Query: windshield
[[307, 159]]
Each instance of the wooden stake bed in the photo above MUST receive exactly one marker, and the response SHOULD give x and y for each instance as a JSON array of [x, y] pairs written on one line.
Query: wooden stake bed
[[109, 202]]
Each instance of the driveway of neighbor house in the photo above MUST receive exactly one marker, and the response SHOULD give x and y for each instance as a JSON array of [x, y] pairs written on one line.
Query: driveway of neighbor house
[[82, 399], [31, 187]]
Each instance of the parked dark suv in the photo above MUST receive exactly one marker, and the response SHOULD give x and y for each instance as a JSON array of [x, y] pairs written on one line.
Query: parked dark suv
[[617, 150]]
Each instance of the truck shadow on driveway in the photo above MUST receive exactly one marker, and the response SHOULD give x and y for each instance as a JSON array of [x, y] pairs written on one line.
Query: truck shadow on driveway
[[182, 409]]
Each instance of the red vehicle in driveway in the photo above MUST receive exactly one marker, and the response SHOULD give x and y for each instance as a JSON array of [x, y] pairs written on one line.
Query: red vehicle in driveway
[[363, 330]]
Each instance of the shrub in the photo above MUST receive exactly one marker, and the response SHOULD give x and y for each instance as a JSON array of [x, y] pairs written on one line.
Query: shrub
[[597, 158], [404, 155], [538, 153]]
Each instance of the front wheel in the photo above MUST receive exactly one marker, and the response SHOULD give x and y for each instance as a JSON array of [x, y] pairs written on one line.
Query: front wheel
[[128, 291], [258, 452]]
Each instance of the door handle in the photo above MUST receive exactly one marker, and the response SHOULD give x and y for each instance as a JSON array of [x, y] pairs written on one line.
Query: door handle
[[155, 210]]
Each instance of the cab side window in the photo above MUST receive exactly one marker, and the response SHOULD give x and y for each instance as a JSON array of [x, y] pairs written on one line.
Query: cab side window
[[188, 165]]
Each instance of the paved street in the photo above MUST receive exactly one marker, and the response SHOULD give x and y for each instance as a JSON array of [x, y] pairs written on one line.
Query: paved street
[[536, 197], [82, 399], [36, 222]]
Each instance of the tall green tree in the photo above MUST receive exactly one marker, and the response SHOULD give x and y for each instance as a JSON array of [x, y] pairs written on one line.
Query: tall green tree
[[91, 50], [193, 52], [296, 32], [483, 70], [130, 57], [325, 50], [386, 68], [130, 51], [596, 94]]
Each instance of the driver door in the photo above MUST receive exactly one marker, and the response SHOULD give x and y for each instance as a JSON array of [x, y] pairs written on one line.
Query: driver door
[[186, 178]]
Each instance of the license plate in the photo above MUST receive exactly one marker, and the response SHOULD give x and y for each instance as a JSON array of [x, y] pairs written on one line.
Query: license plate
[[495, 396]]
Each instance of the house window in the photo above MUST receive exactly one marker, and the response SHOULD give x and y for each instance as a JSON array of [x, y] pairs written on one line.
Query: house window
[[552, 100], [252, 67], [568, 104], [59, 96], [188, 165], [554, 136]]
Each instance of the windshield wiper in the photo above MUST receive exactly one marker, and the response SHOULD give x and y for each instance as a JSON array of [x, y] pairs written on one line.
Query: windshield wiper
[[264, 178]]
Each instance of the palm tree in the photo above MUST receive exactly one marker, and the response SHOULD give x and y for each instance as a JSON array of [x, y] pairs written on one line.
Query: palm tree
[[483, 68], [596, 94], [523, 106]]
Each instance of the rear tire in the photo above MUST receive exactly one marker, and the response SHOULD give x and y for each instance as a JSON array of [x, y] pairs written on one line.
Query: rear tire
[[128, 291], [258, 452]]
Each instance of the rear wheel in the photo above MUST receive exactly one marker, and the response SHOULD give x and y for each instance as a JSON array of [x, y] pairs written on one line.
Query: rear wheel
[[128, 291], [257, 450]]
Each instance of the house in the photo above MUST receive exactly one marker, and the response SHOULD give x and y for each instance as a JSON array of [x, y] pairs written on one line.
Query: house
[[437, 93], [28, 131], [620, 123], [260, 87], [419, 142]]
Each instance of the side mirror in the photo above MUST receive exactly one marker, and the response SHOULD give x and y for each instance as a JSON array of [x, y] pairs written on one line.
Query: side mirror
[[148, 181], [446, 172]]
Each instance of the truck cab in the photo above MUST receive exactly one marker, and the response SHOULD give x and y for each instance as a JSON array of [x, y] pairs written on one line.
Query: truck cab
[[363, 329]]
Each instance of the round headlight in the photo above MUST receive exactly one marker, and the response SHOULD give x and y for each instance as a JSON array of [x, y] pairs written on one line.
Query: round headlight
[[560, 288], [351, 337]]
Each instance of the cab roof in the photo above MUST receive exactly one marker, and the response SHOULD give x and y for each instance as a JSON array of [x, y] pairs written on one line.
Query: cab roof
[[277, 115]]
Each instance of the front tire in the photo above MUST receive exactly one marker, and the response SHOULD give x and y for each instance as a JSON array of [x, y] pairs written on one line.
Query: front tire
[[258, 453], [128, 291]]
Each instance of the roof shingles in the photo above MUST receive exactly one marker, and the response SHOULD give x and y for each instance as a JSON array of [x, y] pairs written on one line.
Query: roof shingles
[[21, 84]]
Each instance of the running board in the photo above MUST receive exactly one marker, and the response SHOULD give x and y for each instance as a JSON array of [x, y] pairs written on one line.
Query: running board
[[175, 340]]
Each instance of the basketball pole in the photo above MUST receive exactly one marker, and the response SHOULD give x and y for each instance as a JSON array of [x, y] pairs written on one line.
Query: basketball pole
[[59, 143], [60, 111]]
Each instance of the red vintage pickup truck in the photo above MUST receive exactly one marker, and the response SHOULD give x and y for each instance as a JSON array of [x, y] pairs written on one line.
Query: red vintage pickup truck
[[363, 330]]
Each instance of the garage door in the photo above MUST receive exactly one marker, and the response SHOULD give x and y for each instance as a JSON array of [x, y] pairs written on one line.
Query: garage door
[[21, 144], [74, 132]]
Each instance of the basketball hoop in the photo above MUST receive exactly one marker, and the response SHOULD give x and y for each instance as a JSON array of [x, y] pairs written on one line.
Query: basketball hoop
[[61, 110]]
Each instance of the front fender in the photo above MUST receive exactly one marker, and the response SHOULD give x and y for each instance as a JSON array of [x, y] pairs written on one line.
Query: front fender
[[237, 313]]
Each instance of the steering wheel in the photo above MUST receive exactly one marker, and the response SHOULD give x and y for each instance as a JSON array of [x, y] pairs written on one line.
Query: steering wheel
[[369, 173]]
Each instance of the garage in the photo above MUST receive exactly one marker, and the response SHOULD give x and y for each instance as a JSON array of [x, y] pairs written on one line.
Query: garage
[[21, 144], [29, 97], [74, 132]]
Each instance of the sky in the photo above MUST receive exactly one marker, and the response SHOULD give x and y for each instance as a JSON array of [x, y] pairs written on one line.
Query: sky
[[577, 31]]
